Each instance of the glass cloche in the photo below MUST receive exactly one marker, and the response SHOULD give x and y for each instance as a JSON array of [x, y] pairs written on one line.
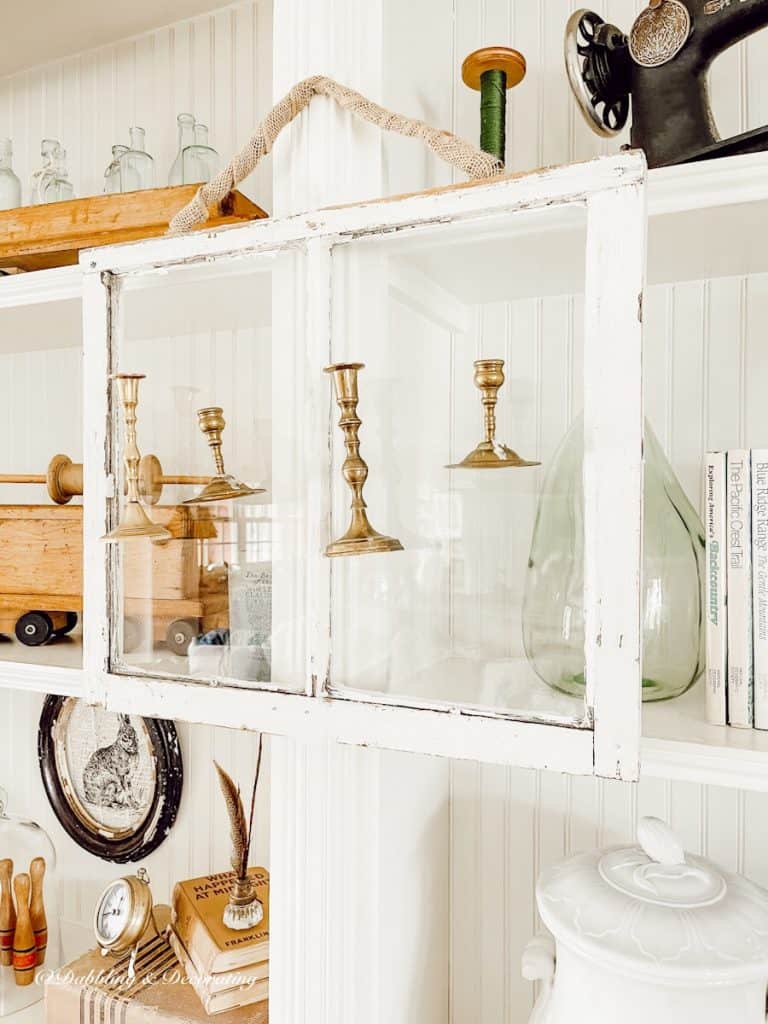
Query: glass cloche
[[30, 943]]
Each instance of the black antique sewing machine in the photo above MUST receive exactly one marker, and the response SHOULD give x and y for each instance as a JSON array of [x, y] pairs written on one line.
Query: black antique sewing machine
[[662, 69]]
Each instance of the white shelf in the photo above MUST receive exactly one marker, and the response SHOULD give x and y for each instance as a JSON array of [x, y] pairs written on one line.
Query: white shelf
[[679, 743]]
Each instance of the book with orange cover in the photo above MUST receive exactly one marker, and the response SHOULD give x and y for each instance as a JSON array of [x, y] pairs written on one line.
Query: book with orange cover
[[198, 910]]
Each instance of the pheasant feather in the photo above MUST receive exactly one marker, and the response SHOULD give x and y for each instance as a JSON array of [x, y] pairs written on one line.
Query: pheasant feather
[[237, 823]]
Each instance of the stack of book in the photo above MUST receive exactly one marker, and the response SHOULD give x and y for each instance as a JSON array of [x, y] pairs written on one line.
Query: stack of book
[[226, 968], [736, 527], [149, 989]]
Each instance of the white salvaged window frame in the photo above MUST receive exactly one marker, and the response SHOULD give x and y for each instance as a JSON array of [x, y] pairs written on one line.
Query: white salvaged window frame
[[607, 741]]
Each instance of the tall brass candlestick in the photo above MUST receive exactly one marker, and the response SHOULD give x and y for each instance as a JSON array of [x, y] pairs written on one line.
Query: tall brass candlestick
[[134, 521], [360, 538], [223, 486], [490, 454]]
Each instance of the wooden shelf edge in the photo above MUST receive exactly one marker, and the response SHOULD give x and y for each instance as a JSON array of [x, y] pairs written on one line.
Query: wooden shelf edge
[[53, 234]]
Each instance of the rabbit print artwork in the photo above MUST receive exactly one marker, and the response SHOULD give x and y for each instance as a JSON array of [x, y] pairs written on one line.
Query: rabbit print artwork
[[109, 774], [114, 780]]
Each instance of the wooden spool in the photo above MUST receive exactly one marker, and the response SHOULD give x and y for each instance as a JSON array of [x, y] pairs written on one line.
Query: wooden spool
[[493, 70], [64, 479]]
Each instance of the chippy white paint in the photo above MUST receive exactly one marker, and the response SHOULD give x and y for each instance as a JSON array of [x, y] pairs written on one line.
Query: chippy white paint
[[433, 728]]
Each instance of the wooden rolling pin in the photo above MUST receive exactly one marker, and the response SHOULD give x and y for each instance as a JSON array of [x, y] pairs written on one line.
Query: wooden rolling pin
[[64, 479]]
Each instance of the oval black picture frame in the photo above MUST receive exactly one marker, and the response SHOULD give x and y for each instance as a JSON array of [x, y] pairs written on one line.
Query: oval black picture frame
[[166, 798]]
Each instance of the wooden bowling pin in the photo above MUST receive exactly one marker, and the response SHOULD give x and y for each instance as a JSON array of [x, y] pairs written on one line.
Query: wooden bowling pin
[[37, 908], [7, 913], [24, 948]]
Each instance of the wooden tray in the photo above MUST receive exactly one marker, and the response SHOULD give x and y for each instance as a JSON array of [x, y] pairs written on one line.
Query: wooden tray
[[52, 235]]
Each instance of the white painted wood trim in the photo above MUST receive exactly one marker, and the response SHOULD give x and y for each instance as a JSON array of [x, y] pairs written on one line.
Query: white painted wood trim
[[725, 182], [16, 675], [547, 188], [98, 312], [41, 286], [613, 474], [308, 719]]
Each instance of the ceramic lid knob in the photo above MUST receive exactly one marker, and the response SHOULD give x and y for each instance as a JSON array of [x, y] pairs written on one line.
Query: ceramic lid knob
[[659, 842]]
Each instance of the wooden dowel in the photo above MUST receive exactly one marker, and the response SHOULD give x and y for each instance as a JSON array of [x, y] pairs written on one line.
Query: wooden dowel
[[23, 478], [184, 479]]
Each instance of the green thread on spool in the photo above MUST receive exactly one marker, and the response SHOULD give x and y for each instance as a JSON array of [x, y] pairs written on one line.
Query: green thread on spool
[[493, 108]]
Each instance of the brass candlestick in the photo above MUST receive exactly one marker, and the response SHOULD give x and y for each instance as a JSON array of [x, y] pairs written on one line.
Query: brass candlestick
[[360, 538], [490, 454], [134, 521], [223, 486]]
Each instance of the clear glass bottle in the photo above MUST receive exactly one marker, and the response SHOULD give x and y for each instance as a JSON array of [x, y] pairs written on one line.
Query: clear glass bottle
[[201, 162], [22, 842], [137, 166], [673, 576], [10, 186], [58, 187], [113, 173], [47, 170], [186, 123]]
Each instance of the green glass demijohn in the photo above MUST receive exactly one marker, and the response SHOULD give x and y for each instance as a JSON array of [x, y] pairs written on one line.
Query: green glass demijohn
[[673, 575]]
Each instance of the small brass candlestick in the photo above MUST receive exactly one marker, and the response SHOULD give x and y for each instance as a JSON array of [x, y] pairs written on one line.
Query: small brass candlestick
[[223, 486], [360, 538], [134, 521], [492, 71], [490, 454]]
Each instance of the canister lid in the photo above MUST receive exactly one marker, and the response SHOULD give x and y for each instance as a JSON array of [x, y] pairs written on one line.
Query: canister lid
[[657, 911]]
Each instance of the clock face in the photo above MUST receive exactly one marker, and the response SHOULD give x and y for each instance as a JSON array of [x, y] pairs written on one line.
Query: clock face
[[114, 912]]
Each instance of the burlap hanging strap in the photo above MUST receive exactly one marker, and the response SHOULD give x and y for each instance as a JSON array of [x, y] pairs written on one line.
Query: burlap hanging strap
[[472, 161]]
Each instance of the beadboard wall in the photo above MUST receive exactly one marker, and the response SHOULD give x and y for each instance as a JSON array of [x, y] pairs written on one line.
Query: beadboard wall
[[219, 67], [496, 828]]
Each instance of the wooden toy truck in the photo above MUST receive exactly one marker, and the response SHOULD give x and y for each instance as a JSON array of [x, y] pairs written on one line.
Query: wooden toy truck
[[41, 574]]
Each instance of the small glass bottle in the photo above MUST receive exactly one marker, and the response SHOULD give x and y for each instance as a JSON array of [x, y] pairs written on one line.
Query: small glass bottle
[[58, 187], [47, 170], [113, 173], [186, 123], [201, 161], [10, 186], [136, 165]]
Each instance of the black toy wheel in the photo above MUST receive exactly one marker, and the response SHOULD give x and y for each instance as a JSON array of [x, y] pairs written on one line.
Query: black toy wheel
[[70, 624], [34, 628], [180, 635], [131, 635]]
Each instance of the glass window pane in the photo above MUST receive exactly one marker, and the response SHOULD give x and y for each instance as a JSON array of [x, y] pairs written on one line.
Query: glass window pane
[[471, 335], [215, 593], [41, 513]]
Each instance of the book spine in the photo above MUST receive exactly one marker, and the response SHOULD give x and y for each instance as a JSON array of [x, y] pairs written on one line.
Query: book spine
[[716, 611], [191, 931], [739, 584], [760, 583]]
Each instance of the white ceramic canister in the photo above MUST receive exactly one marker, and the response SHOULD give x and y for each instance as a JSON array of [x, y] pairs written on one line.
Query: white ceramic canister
[[649, 934]]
